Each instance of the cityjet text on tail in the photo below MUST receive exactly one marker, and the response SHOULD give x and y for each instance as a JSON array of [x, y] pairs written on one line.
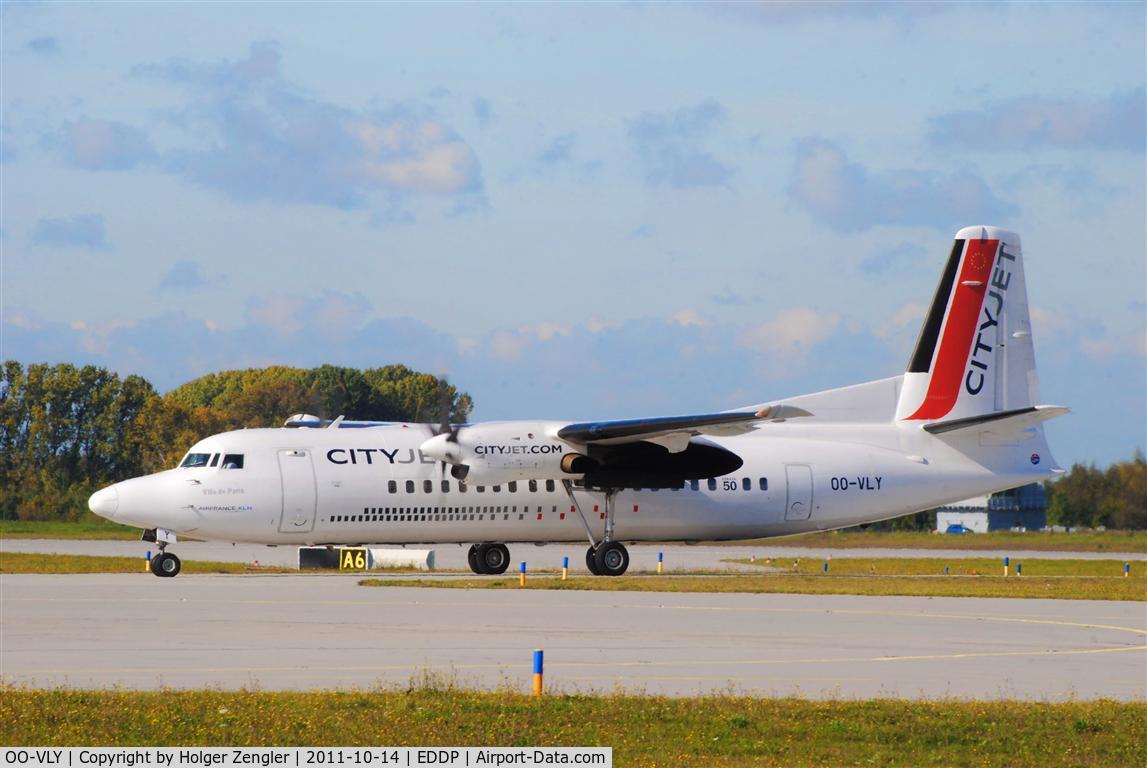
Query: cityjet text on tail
[[963, 420]]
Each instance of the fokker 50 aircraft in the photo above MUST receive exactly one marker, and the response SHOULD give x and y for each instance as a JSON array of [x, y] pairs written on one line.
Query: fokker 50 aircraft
[[963, 420]]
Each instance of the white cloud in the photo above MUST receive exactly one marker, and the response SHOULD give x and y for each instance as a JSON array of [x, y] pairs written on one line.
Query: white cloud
[[547, 330], [689, 317], [103, 145], [507, 345], [847, 197], [280, 313], [791, 333], [1110, 346], [331, 314], [909, 316], [257, 136], [669, 144], [1118, 121]]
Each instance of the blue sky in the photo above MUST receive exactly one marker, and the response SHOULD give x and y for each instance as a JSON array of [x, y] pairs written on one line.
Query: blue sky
[[581, 211]]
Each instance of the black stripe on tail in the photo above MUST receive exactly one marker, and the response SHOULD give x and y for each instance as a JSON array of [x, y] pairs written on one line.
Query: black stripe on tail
[[921, 361]]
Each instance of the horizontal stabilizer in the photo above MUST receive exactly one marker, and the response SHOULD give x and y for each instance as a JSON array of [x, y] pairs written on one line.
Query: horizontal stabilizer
[[1003, 423]]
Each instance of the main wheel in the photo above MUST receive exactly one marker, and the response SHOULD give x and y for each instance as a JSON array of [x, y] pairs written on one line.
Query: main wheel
[[472, 559], [591, 562], [611, 559], [166, 564], [493, 558]]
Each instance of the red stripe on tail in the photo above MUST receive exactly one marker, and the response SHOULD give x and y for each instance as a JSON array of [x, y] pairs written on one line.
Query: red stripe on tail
[[956, 344]]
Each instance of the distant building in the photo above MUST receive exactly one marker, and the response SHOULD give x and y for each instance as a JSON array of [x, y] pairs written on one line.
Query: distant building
[[1023, 507]]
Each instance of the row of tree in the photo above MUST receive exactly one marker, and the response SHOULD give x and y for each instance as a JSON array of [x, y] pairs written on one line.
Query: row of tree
[[1088, 497], [66, 430]]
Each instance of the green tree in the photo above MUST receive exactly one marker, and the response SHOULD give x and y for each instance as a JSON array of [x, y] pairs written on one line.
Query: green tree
[[63, 431], [67, 430], [1090, 497]]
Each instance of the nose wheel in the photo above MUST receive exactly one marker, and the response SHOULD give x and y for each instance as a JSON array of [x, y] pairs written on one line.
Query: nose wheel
[[166, 565]]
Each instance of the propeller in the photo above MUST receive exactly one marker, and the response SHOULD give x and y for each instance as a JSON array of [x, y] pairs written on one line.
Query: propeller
[[445, 449]]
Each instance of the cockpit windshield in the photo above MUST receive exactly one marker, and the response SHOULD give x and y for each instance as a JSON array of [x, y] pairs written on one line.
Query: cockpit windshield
[[195, 460]]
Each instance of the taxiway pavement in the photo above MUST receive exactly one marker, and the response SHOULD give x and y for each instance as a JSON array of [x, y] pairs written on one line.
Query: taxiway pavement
[[326, 631]]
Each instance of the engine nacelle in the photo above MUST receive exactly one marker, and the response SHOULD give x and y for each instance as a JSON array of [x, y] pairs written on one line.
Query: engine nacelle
[[501, 452], [498, 452]]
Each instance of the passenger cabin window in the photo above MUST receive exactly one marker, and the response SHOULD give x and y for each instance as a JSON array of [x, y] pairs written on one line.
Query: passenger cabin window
[[391, 486], [192, 460], [550, 485], [746, 484], [533, 486], [428, 486], [712, 484], [410, 486], [764, 483], [446, 486], [695, 484], [512, 487], [233, 461]]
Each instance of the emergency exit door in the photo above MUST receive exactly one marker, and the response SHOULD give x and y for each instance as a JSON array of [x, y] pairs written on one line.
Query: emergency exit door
[[299, 498], [798, 502]]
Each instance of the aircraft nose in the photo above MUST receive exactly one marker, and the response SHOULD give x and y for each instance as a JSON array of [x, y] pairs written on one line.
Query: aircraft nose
[[104, 502]]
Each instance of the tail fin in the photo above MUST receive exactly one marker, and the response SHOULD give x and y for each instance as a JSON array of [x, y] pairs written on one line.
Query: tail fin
[[974, 355]]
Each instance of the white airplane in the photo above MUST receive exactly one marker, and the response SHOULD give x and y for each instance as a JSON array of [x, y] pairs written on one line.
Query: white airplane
[[964, 420]]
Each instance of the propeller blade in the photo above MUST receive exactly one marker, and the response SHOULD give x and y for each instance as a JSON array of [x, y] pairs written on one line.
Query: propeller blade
[[443, 405]]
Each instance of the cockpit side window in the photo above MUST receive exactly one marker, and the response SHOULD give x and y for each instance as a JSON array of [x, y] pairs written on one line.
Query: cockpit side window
[[195, 460], [233, 461], [214, 460]]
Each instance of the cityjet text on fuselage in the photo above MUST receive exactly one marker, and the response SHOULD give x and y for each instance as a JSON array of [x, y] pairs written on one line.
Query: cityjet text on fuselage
[[377, 456], [517, 450]]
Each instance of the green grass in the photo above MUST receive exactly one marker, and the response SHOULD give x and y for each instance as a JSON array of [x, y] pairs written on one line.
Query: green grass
[[933, 566], [60, 529], [642, 730], [923, 577], [28, 562], [1081, 541]]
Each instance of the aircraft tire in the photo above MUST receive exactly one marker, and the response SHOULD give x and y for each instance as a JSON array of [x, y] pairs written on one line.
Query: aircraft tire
[[166, 565], [493, 558], [611, 559], [472, 559], [591, 562]]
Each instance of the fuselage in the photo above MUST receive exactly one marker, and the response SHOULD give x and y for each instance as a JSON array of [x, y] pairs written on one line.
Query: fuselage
[[374, 485]]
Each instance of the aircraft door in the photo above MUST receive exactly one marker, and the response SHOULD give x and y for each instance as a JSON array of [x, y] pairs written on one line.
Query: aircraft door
[[798, 502], [299, 495]]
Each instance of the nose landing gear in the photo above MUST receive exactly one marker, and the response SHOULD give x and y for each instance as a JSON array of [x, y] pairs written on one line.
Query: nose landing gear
[[163, 564], [166, 564]]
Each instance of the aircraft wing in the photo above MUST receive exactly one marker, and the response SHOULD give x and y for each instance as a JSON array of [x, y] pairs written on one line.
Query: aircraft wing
[[674, 431]]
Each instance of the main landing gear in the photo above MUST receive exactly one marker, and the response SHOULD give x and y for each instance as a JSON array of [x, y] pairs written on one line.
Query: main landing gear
[[609, 558], [606, 557], [488, 559]]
